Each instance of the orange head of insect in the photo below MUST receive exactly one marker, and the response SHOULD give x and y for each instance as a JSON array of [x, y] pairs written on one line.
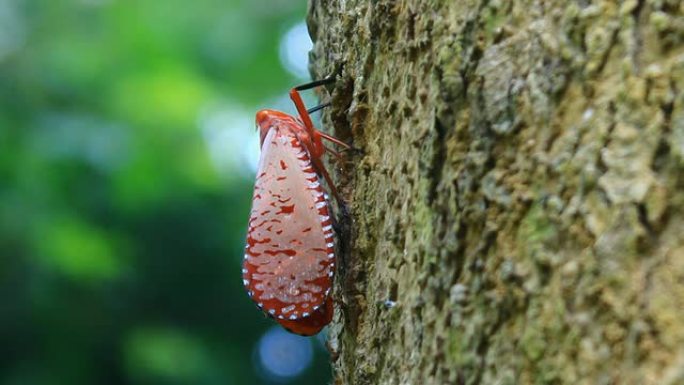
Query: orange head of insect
[[264, 122], [267, 119]]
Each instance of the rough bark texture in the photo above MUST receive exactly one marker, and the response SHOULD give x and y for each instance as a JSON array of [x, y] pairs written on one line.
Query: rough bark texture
[[517, 212]]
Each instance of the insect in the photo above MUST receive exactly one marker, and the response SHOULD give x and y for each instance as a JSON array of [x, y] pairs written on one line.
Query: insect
[[290, 256]]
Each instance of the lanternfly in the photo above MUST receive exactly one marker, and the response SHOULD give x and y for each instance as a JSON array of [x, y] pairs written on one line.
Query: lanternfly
[[290, 253]]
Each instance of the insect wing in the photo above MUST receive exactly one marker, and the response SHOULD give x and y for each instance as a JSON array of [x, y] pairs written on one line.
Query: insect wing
[[313, 324], [289, 258]]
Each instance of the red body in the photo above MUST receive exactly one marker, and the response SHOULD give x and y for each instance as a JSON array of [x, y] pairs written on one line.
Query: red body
[[290, 258]]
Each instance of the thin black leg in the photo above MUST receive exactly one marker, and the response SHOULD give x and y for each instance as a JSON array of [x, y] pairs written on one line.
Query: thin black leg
[[318, 107], [316, 83]]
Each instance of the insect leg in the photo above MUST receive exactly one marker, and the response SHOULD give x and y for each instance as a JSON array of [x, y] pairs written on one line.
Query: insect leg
[[299, 103], [329, 137], [335, 153], [321, 169], [334, 140], [318, 107], [316, 83]]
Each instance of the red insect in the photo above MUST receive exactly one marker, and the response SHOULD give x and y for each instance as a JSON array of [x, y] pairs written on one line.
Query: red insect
[[290, 256]]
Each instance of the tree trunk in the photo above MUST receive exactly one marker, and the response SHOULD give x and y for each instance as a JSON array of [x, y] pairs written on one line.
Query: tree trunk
[[516, 211]]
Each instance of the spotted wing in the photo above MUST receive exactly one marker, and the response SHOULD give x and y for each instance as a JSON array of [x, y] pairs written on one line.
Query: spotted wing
[[313, 324], [289, 259]]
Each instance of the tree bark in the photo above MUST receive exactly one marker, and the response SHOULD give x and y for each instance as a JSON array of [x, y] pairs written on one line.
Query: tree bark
[[516, 211]]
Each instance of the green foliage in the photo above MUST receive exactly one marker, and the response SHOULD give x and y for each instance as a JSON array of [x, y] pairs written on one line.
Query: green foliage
[[120, 241], [78, 251]]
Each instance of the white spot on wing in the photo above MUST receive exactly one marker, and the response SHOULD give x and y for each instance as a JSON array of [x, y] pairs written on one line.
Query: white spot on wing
[[287, 309]]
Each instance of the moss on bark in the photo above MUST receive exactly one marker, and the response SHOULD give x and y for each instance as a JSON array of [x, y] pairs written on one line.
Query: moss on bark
[[517, 209]]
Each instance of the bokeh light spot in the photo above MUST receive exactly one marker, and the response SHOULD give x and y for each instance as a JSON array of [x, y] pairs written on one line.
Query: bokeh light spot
[[78, 250], [294, 51], [157, 353], [231, 139], [283, 356], [12, 28]]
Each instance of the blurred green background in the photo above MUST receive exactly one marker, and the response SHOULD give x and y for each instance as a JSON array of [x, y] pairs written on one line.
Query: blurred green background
[[127, 153]]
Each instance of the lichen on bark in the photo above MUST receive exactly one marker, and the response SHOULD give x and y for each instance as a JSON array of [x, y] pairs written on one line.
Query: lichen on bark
[[516, 211]]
